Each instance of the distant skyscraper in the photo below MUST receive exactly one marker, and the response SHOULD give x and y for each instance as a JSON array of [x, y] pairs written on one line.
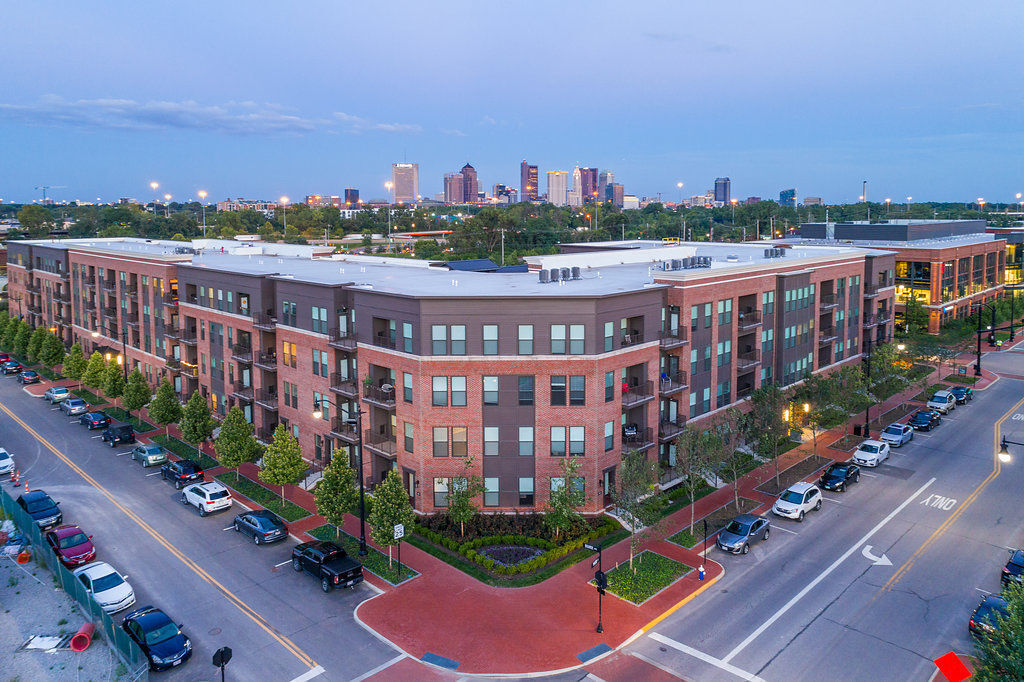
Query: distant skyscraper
[[604, 179], [406, 177], [814, 201], [614, 194], [453, 188], [588, 185], [722, 190], [314, 200], [527, 181], [470, 185], [787, 197], [558, 187], [351, 197], [575, 194]]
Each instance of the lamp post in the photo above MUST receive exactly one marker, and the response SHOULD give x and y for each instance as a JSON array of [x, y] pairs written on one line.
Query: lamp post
[[318, 413], [167, 205], [679, 186], [391, 199], [867, 381], [202, 198], [1013, 313], [980, 305], [887, 202], [154, 186], [1004, 452]]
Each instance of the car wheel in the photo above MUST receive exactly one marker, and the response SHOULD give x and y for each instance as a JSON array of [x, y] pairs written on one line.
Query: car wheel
[[841, 487], [746, 549], [203, 512], [325, 585], [296, 565], [256, 539], [817, 506], [767, 532], [238, 528], [800, 519], [177, 485], [184, 500], [856, 479], [111, 444]]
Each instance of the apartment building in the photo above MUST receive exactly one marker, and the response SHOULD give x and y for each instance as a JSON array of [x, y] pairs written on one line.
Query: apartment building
[[597, 351]]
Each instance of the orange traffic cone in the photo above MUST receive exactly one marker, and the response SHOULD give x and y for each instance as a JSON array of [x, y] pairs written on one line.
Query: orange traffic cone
[[26, 486], [15, 478]]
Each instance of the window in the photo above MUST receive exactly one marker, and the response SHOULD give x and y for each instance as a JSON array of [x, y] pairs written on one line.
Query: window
[[694, 317], [490, 492], [693, 361], [490, 339], [526, 339], [406, 335], [724, 353], [441, 492], [725, 311], [558, 339], [439, 397], [526, 491], [490, 390], [578, 390], [558, 389], [288, 351], [576, 441], [408, 437], [707, 315], [460, 441], [526, 390], [526, 441], [438, 339], [288, 312], [609, 386], [768, 302], [609, 436], [490, 440], [558, 441], [577, 337], [723, 394], [458, 391], [458, 339], [767, 340], [707, 358], [609, 335], [440, 441], [320, 363], [320, 401], [319, 318], [407, 386]]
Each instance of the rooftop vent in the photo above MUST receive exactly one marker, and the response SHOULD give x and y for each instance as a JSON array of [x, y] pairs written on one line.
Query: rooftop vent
[[566, 274], [544, 277], [576, 274], [556, 274], [732, 258]]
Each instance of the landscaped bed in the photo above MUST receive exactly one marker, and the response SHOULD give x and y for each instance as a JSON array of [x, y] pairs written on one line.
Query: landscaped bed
[[847, 443], [375, 561], [48, 373], [961, 379], [123, 415], [797, 472], [927, 393], [651, 573], [717, 520], [675, 498], [265, 497], [893, 415], [186, 451], [89, 397]]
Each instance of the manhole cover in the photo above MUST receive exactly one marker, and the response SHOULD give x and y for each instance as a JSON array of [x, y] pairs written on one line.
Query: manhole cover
[[215, 631]]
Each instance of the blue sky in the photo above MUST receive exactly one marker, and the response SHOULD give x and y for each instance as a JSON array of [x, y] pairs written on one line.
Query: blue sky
[[260, 99]]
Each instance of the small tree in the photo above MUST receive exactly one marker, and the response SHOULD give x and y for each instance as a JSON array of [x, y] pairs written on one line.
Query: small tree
[[35, 343], [10, 334], [93, 376], [637, 477], [235, 443], [336, 494], [21, 340], [462, 496], [822, 396], [722, 448], [196, 423], [915, 317], [53, 351], [566, 497], [390, 508], [1000, 654], [765, 426], [282, 462], [165, 408], [693, 458], [113, 381], [74, 363]]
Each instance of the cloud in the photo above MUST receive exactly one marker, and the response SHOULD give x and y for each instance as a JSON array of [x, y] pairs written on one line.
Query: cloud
[[358, 124], [455, 133], [489, 120]]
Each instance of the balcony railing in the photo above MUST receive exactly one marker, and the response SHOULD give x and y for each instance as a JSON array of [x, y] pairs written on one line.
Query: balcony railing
[[188, 370], [870, 320], [631, 339], [828, 301], [241, 353], [748, 319], [172, 364], [670, 428], [33, 287], [340, 428], [744, 392], [634, 394], [749, 360], [35, 308], [170, 298], [884, 317], [342, 340], [89, 306], [109, 286], [188, 336], [172, 331], [871, 290], [65, 275], [636, 438], [62, 297], [266, 434], [382, 340], [827, 335], [382, 443], [131, 292], [379, 396], [672, 338], [267, 361], [243, 392], [344, 385], [672, 382], [89, 280], [264, 321], [130, 318], [109, 311], [267, 399]]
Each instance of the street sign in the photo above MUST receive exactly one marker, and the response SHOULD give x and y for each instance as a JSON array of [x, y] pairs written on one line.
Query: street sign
[[592, 548], [221, 656], [594, 562], [399, 531]]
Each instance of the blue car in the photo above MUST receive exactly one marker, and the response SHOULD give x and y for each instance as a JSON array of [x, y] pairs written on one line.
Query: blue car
[[159, 638], [43, 510], [742, 532], [963, 394]]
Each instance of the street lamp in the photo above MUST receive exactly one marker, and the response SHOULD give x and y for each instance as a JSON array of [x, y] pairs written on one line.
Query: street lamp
[[979, 305], [284, 213], [733, 202], [167, 205], [981, 205], [202, 198], [154, 186], [354, 420], [1004, 452], [679, 186], [887, 202], [391, 199]]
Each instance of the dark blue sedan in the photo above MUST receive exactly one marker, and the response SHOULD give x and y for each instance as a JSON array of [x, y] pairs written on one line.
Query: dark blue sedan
[[94, 420], [159, 638], [925, 420]]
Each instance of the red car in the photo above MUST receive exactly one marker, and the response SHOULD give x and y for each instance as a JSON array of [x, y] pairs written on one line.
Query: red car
[[71, 545], [4, 357]]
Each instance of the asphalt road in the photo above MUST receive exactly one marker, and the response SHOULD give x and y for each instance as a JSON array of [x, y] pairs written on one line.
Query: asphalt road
[[812, 604], [222, 588]]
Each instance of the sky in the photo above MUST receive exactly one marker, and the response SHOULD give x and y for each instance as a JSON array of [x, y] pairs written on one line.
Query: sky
[[263, 99]]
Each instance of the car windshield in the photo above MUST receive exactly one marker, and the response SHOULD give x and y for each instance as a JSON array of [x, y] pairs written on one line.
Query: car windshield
[[836, 470], [161, 634], [107, 582], [792, 496], [218, 494], [264, 522], [76, 402], [870, 448], [989, 611], [73, 540], [738, 528], [151, 449], [41, 504], [4, 456], [895, 430]]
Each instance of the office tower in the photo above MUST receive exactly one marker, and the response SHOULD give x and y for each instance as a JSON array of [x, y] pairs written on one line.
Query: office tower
[[787, 197], [814, 201], [604, 181], [527, 181], [722, 190], [615, 194], [575, 195], [334, 201], [558, 187], [454, 188], [588, 185], [406, 179], [314, 200], [470, 185], [351, 197]]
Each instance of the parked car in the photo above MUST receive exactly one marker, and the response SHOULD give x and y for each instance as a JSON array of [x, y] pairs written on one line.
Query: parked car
[[72, 546], [94, 420], [797, 500], [328, 563], [4, 357], [11, 367], [158, 636], [6, 462], [839, 475], [925, 420], [43, 510], [55, 394], [109, 588], [28, 377], [984, 620], [943, 401], [149, 454], [73, 407], [1013, 571], [117, 433], [262, 526], [871, 453], [897, 434], [743, 531], [964, 394], [181, 473], [207, 497]]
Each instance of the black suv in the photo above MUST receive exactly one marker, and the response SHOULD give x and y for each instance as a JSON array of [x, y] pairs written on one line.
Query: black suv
[[43, 510], [117, 433], [1013, 571], [962, 394], [181, 473], [837, 476]]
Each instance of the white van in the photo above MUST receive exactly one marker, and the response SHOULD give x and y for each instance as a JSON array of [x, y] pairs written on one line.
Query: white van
[[943, 401]]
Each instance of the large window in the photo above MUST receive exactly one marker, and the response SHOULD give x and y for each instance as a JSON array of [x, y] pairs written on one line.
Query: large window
[[526, 441], [458, 391], [440, 441], [577, 441], [558, 394], [439, 392], [441, 492], [319, 315], [458, 339], [490, 390], [490, 332], [491, 492], [578, 390], [526, 491], [460, 441], [525, 339], [557, 441], [577, 338], [526, 390], [725, 311], [558, 339], [438, 339]]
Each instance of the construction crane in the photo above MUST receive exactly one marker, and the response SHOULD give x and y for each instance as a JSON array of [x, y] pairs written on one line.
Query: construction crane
[[45, 188]]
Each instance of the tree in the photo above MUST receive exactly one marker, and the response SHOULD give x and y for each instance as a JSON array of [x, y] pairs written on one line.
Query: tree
[[35, 219], [693, 458], [165, 408], [35, 343], [11, 333], [235, 443], [823, 397], [889, 372], [21, 340], [336, 494], [722, 448], [93, 376], [566, 497], [74, 363], [136, 392], [52, 352], [638, 476], [196, 423], [915, 317], [462, 496], [113, 381], [1000, 654], [390, 508], [765, 426], [282, 462]]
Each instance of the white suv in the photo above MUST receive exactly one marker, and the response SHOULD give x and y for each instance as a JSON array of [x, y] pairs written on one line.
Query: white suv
[[797, 500], [6, 462], [206, 497], [943, 401]]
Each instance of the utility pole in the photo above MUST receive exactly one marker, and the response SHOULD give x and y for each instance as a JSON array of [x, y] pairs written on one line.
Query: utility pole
[[503, 246]]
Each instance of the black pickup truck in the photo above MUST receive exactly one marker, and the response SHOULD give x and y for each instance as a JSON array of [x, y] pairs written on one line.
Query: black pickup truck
[[328, 563]]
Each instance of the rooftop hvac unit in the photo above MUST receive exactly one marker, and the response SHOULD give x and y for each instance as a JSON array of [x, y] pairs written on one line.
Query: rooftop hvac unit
[[566, 274], [576, 274], [555, 274], [544, 277], [732, 258], [769, 253], [677, 264], [782, 252]]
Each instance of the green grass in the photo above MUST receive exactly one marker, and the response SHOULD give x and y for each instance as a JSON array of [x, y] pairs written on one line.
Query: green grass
[[89, 397], [927, 393], [960, 379], [265, 497], [651, 573], [49, 374], [673, 500], [375, 561], [186, 451], [121, 414]]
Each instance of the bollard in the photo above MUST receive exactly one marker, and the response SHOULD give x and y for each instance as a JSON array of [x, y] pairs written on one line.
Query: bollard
[[700, 572], [83, 638]]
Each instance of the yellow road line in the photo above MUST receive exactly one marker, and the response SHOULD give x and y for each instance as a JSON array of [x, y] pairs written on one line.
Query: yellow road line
[[241, 605], [684, 601]]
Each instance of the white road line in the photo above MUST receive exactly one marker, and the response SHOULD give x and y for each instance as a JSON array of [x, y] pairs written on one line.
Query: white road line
[[718, 663], [824, 574], [228, 528], [831, 500], [310, 674], [54, 409], [985, 592], [869, 475], [784, 530], [155, 473], [122, 454], [95, 437], [282, 563], [651, 661], [370, 673]]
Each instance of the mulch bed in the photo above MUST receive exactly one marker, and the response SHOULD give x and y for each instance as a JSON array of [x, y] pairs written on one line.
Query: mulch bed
[[847, 443], [893, 415], [793, 474], [717, 520]]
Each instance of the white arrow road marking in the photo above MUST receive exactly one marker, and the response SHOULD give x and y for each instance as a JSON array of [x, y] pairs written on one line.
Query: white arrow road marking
[[876, 560]]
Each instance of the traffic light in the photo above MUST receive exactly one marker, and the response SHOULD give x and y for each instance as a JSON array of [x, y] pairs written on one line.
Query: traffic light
[[602, 581]]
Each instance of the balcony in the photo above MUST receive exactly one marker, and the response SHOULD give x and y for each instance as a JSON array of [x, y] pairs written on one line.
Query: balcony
[[130, 319], [33, 287], [173, 364], [62, 297], [267, 361], [345, 386], [243, 392], [672, 338], [636, 394], [89, 306], [382, 443], [188, 337], [636, 438], [35, 308], [109, 286], [827, 335], [871, 290], [131, 292], [672, 382], [340, 428], [377, 395], [828, 301], [634, 339], [748, 361], [89, 280], [382, 340], [188, 370], [884, 317], [267, 399], [65, 275], [241, 353], [170, 298], [870, 320], [748, 319], [172, 331], [670, 428], [265, 435], [264, 322], [108, 311], [342, 340], [745, 392]]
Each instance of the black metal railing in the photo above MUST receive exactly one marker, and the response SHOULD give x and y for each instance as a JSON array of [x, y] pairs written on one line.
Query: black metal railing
[[633, 394]]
